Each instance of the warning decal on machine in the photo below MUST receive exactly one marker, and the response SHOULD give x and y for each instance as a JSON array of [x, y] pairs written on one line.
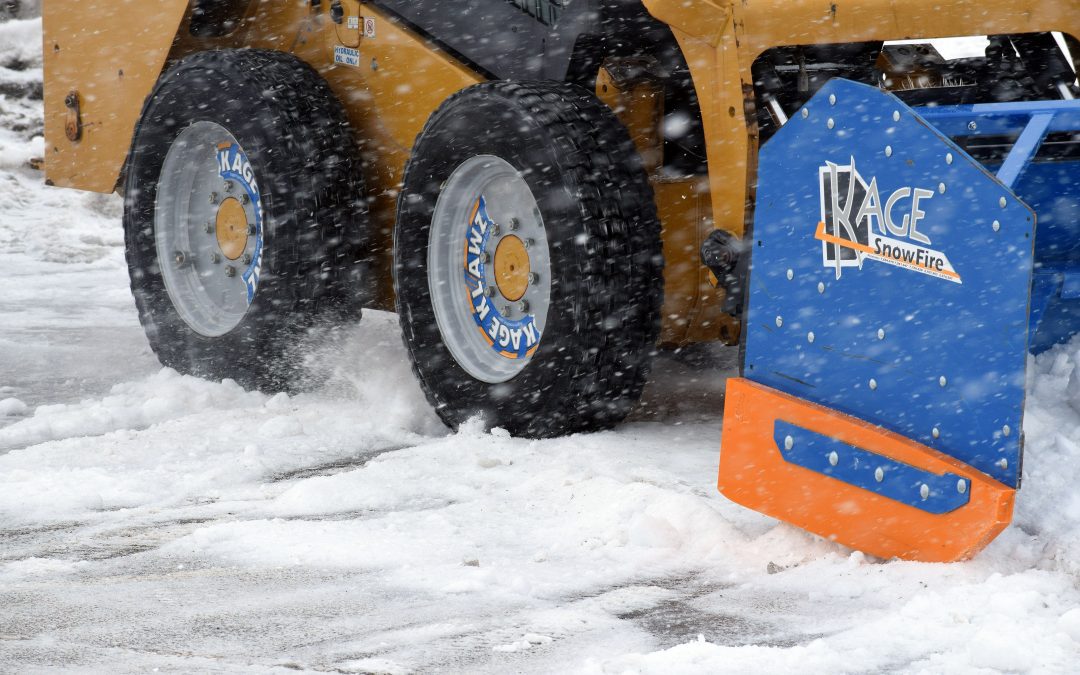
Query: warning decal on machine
[[346, 56], [856, 224]]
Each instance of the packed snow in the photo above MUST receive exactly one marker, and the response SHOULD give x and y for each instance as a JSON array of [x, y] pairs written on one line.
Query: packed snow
[[154, 521]]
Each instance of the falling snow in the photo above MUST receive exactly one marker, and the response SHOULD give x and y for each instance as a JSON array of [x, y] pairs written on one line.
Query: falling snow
[[151, 520]]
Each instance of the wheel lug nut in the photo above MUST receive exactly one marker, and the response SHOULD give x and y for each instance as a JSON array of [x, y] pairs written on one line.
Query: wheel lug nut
[[208, 227], [485, 257], [213, 198], [523, 305], [528, 243], [230, 271], [489, 291], [514, 223], [534, 278], [251, 228], [215, 258], [496, 229], [244, 199], [228, 186], [246, 258], [506, 310], [180, 258]]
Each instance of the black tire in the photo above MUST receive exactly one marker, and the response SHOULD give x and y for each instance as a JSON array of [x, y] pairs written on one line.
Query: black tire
[[299, 144], [604, 242]]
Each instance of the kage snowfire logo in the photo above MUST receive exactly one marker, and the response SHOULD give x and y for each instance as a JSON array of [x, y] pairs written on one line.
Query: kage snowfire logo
[[856, 224]]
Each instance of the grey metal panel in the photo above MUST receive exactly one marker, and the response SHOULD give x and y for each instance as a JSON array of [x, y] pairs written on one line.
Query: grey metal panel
[[497, 35]]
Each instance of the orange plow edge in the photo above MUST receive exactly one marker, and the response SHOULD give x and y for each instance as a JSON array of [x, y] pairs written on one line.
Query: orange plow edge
[[853, 482]]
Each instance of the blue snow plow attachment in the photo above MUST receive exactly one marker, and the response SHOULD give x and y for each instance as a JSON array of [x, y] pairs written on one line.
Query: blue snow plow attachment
[[905, 261]]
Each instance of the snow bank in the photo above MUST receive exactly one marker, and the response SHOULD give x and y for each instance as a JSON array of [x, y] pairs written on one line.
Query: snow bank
[[51, 224], [1016, 623], [54, 224], [478, 512], [1046, 525], [601, 530], [20, 94], [131, 406], [12, 407], [1013, 608], [173, 439], [20, 44]]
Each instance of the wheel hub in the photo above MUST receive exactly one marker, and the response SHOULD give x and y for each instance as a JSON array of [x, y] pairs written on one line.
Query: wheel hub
[[512, 268], [487, 231], [232, 228], [208, 217]]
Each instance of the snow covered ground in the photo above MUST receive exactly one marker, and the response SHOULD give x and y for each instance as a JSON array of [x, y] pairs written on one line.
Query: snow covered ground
[[152, 521]]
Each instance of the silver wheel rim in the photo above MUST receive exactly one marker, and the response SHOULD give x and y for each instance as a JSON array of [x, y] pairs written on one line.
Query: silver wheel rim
[[472, 274], [208, 229]]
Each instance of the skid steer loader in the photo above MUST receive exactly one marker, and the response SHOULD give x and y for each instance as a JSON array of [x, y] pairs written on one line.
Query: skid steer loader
[[546, 190]]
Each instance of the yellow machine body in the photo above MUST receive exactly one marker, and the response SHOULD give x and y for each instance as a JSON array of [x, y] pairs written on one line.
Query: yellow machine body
[[102, 60]]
